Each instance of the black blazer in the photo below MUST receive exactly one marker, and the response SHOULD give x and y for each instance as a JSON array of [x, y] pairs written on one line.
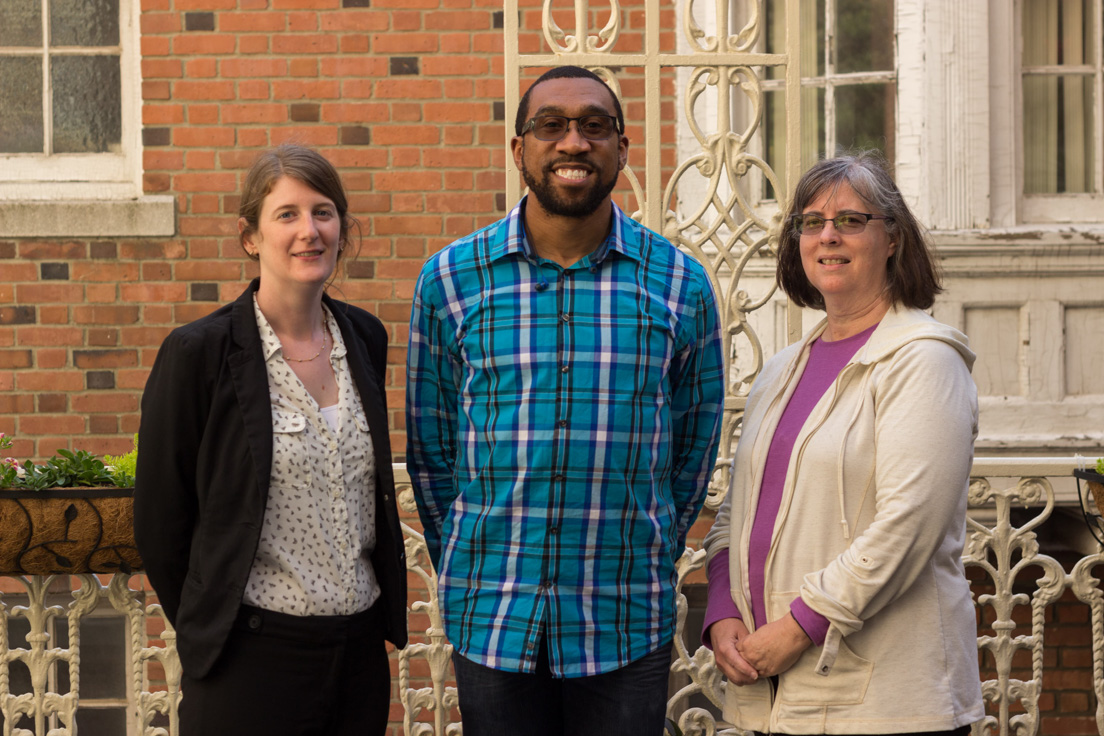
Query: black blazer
[[205, 458]]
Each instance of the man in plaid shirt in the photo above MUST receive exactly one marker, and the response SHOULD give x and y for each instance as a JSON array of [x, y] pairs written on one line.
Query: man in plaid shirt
[[565, 387]]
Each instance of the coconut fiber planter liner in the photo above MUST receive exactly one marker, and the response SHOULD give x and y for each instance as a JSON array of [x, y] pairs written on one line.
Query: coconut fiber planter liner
[[68, 531]]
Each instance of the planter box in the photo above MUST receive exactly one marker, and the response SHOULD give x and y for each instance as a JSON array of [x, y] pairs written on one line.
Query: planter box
[[68, 531]]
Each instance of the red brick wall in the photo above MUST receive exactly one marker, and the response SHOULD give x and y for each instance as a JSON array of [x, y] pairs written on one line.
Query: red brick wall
[[404, 96]]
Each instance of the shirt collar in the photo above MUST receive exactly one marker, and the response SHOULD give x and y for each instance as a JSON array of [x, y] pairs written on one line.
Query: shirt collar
[[270, 344], [623, 238]]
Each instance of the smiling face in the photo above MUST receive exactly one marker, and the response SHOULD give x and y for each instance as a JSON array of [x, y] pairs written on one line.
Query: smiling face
[[571, 177], [298, 236], [848, 270]]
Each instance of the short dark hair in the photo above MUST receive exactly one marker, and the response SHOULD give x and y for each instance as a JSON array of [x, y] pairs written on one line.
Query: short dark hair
[[912, 275], [305, 165], [565, 72]]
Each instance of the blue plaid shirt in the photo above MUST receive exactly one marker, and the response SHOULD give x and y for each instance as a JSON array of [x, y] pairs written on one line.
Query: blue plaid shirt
[[562, 427]]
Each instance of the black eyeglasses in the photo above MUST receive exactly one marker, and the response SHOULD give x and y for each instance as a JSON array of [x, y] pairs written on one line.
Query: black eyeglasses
[[555, 127], [850, 223]]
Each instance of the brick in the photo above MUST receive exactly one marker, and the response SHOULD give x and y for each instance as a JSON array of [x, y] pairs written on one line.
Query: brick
[[406, 225], [356, 135], [253, 89], [153, 293], [103, 424], [388, 135], [203, 90], [406, 89], [457, 112], [203, 68], [103, 337], [407, 181], [48, 251], [16, 404], [18, 272], [39, 424], [53, 315], [474, 20], [208, 271], [254, 113], [103, 271], [360, 112], [10, 359], [48, 293], [304, 44], [299, 90], [253, 44], [313, 135], [252, 22], [254, 67], [456, 65], [51, 381], [356, 21], [99, 380], [162, 68], [405, 43], [470, 158], [199, 21], [205, 182], [304, 112], [88, 359], [200, 44], [105, 314]]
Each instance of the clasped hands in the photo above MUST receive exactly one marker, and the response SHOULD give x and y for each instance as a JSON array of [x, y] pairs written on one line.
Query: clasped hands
[[745, 657]]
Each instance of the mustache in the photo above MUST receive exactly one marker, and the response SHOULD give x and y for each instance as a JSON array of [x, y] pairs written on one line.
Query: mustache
[[576, 160]]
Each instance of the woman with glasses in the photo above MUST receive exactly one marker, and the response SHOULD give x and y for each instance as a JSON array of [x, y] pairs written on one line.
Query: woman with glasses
[[838, 602]]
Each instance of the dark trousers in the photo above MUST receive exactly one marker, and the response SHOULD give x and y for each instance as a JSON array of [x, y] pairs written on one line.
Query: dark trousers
[[631, 700], [282, 675]]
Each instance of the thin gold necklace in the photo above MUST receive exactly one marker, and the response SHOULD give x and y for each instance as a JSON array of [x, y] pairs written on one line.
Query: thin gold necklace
[[307, 360]]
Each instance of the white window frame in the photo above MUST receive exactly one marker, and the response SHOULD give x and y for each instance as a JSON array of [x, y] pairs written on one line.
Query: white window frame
[[88, 194], [112, 175], [1064, 207]]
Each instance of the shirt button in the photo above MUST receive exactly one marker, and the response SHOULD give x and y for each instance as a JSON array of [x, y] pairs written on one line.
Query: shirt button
[[531, 645], [563, 369], [558, 476], [565, 317], [562, 423], [553, 530]]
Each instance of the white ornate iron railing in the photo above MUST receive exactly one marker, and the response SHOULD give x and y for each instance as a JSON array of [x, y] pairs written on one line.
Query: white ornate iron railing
[[1017, 582]]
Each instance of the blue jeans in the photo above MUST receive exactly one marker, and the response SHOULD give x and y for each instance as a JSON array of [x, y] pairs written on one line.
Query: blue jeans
[[631, 700]]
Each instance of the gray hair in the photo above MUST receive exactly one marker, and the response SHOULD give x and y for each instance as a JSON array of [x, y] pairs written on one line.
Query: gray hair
[[912, 276]]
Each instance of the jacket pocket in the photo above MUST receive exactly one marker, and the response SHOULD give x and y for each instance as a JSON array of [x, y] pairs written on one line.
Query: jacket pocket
[[845, 684]]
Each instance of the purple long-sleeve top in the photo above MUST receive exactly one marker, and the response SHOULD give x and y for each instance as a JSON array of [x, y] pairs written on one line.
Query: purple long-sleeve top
[[826, 360]]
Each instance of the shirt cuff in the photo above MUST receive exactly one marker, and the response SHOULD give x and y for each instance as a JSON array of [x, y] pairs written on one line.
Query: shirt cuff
[[719, 603], [814, 625]]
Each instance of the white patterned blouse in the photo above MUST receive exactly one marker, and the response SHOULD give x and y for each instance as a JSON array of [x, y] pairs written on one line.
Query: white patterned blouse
[[319, 524]]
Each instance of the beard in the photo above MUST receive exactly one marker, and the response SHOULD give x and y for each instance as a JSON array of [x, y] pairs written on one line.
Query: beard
[[554, 204]]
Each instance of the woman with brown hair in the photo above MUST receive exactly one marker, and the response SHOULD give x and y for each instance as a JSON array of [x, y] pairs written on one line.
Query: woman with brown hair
[[264, 502]]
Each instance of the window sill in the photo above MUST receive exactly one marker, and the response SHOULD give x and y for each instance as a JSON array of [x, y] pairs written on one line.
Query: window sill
[[152, 216]]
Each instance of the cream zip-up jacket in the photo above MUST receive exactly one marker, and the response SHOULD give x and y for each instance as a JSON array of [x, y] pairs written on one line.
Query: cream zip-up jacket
[[870, 534]]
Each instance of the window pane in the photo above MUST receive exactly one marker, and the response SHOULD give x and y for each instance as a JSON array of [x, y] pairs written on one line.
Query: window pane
[[21, 113], [87, 107], [103, 658], [812, 36], [866, 118], [774, 130], [1057, 32], [22, 23], [84, 22], [864, 36], [101, 721], [1058, 134]]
